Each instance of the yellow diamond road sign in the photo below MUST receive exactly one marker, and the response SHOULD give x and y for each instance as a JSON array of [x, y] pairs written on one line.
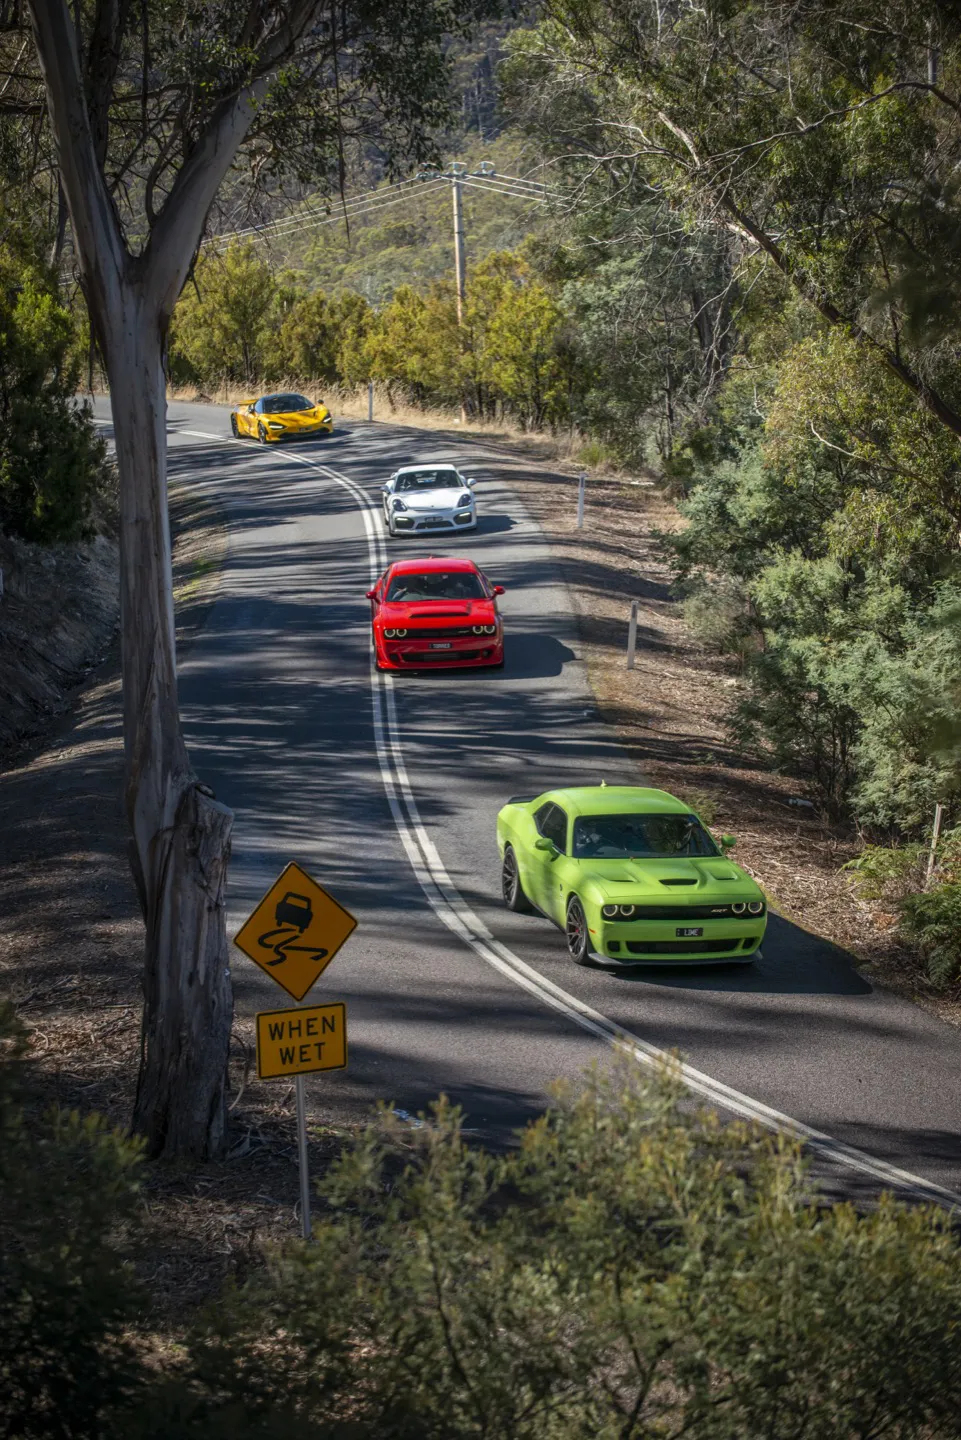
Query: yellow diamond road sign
[[296, 1042], [295, 931]]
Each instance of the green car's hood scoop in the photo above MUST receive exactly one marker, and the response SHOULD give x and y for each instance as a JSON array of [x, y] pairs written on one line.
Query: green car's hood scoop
[[663, 877]]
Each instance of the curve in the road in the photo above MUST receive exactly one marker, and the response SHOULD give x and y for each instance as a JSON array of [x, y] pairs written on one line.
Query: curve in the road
[[456, 914]]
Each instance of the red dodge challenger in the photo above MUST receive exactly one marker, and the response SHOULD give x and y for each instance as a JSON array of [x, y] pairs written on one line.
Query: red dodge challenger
[[428, 613]]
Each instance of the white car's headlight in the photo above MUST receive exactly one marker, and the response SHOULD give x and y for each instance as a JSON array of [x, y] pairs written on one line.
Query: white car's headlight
[[464, 499], [399, 505]]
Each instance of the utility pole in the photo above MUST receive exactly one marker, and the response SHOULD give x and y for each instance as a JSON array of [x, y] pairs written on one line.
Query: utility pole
[[460, 268], [456, 174]]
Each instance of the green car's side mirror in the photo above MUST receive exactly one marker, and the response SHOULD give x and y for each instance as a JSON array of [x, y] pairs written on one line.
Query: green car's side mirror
[[542, 843], [728, 842]]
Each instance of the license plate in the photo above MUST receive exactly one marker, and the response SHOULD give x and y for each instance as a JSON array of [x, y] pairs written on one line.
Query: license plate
[[689, 932], [444, 645]]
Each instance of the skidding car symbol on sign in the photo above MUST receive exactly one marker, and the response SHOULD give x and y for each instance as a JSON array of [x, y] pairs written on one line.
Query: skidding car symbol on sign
[[295, 931]]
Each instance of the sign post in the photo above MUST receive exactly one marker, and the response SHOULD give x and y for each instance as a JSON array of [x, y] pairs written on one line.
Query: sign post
[[581, 487], [293, 935]]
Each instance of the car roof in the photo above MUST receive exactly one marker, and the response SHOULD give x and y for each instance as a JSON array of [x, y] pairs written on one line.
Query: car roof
[[616, 799], [432, 562], [427, 464]]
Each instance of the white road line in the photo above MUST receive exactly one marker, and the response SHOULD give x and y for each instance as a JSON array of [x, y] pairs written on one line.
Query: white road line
[[453, 911]]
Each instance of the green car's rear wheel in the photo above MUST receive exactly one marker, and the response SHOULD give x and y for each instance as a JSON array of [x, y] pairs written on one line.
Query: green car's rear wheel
[[578, 937], [511, 887]]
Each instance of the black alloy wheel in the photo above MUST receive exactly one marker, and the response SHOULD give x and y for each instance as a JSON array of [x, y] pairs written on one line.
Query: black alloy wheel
[[511, 887], [261, 432], [233, 427], [578, 939]]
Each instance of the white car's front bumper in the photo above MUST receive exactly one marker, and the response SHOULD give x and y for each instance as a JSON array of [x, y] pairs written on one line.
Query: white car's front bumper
[[419, 521]]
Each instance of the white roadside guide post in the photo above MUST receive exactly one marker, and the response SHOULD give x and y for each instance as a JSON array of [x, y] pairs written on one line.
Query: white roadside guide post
[[293, 935], [370, 399], [935, 837], [632, 636], [581, 487]]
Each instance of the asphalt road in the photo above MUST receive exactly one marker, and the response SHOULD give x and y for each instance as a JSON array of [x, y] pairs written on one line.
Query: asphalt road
[[386, 790]]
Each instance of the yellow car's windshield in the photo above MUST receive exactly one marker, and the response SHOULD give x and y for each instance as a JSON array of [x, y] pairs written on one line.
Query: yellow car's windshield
[[285, 404], [640, 837]]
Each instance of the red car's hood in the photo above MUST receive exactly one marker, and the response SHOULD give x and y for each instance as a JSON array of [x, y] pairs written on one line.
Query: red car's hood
[[480, 612]]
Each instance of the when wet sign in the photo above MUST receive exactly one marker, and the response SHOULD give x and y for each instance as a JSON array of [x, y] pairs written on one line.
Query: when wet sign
[[298, 1042]]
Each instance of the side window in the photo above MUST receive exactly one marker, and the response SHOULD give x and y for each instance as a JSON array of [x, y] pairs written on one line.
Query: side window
[[551, 822], [259, 407]]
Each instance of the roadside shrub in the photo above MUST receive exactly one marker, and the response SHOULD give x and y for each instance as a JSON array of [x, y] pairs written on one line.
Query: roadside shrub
[[718, 616], [635, 1268], [52, 461], [67, 1298], [933, 921], [886, 872]]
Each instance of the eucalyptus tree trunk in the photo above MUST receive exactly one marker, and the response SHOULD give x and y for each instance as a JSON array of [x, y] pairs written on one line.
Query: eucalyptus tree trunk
[[180, 835]]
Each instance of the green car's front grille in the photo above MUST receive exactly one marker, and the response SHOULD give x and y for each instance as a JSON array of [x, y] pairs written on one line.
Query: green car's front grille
[[684, 947], [684, 912]]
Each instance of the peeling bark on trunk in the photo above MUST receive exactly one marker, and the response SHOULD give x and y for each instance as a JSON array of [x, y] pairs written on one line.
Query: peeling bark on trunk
[[180, 835]]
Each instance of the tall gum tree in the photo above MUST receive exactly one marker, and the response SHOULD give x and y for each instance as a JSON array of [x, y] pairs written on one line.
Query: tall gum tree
[[150, 106]]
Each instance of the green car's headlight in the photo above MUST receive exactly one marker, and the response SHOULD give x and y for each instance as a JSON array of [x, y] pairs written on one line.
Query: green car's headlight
[[756, 907], [615, 912], [609, 912]]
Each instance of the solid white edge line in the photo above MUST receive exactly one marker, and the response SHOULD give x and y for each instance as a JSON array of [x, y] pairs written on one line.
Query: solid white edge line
[[454, 912]]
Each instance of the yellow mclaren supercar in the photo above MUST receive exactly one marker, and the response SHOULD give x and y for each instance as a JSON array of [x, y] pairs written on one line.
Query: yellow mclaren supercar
[[283, 416]]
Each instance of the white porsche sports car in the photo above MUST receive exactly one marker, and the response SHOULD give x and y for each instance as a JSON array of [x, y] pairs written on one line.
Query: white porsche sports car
[[428, 497]]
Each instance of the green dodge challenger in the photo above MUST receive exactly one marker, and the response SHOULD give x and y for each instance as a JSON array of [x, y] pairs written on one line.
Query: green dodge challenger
[[630, 875]]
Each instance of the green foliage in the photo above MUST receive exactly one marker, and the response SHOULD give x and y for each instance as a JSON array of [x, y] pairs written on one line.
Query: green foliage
[[933, 921], [223, 323], [634, 1268], [52, 462], [67, 1297], [887, 872]]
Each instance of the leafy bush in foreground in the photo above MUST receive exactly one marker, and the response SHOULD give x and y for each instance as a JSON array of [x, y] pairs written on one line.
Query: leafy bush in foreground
[[67, 1298], [635, 1268]]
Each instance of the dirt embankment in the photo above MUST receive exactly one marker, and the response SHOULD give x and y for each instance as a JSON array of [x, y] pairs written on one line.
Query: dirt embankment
[[58, 616]]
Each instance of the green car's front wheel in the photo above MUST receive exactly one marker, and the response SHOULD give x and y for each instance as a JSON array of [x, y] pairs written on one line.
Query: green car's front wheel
[[578, 936], [511, 887]]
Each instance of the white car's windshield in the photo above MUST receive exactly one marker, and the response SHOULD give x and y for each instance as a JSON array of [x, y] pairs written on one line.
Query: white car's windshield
[[640, 837], [437, 585], [428, 480]]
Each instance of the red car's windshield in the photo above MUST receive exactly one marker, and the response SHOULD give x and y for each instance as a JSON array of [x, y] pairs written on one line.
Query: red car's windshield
[[640, 837], [437, 585]]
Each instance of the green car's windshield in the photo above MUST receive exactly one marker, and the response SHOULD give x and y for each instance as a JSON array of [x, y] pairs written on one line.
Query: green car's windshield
[[640, 837]]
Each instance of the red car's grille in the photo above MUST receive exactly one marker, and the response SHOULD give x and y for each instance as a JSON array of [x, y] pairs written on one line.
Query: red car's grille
[[439, 632], [424, 657]]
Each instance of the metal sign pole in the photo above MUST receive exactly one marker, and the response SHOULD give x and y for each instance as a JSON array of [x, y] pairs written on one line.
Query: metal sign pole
[[302, 1153], [581, 485], [632, 636]]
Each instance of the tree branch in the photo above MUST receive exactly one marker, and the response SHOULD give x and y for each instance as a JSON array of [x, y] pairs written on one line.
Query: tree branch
[[175, 236], [96, 228]]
